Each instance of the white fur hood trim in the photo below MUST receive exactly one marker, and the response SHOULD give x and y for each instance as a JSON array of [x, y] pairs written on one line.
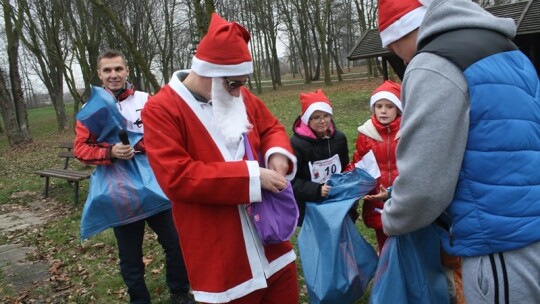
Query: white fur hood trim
[[369, 130]]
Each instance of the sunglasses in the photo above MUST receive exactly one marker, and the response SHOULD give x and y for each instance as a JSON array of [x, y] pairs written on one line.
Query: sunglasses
[[234, 84]]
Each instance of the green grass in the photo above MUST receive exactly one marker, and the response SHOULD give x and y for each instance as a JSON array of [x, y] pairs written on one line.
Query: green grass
[[88, 272], [18, 163]]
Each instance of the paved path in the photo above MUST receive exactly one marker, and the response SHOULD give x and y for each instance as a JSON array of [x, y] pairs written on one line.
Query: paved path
[[19, 272]]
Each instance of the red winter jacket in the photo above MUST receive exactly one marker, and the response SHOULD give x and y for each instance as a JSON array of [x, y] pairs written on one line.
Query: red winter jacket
[[383, 141]]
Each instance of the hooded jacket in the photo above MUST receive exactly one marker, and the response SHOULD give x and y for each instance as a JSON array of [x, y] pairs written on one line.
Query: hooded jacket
[[309, 148], [470, 145], [382, 140]]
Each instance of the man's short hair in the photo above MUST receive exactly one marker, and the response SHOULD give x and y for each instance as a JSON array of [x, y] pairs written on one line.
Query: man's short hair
[[111, 53]]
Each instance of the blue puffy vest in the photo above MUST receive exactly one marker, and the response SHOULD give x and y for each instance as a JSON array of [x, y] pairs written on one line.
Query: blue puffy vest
[[496, 206]]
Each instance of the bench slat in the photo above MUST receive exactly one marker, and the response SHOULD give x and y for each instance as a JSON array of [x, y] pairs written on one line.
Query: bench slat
[[67, 144], [65, 174], [66, 154], [65, 171]]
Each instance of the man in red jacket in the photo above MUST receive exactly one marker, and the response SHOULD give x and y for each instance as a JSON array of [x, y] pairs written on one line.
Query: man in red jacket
[[194, 129]]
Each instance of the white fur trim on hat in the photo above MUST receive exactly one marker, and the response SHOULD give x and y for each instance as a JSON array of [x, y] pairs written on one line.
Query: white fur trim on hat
[[385, 95], [208, 69], [403, 26], [320, 106]]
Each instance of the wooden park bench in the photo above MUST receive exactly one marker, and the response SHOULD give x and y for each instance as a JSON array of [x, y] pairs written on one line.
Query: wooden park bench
[[72, 176]]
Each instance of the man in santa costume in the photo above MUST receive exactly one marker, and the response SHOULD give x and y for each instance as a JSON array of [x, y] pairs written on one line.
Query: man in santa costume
[[194, 142]]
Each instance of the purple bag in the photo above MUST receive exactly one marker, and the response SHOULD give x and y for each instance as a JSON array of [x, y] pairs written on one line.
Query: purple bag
[[275, 218]]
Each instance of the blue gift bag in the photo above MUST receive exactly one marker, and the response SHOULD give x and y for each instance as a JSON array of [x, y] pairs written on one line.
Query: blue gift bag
[[410, 270], [126, 191], [338, 263]]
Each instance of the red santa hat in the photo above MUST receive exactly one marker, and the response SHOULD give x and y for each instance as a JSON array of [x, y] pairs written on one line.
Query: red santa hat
[[223, 51], [388, 90], [312, 102], [398, 18]]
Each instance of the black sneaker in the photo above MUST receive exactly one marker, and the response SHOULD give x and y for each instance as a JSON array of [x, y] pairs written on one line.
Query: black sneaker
[[182, 298]]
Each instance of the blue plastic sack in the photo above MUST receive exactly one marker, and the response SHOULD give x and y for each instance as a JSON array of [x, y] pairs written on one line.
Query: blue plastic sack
[[121, 194], [101, 116], [410, 270], [338, 263], [126, 191]]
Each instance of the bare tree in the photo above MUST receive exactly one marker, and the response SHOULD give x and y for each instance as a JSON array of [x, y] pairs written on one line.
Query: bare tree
[[322, 22], [314, 49], [295, 14], [163, 32], [12, 105], [82, 24], [265, 30], [171, 35], [334, 36], [139, 60], [367, 18], [46, 39], [202, 10]]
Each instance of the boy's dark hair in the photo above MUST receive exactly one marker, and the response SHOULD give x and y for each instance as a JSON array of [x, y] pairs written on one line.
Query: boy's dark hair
[[111, 53]]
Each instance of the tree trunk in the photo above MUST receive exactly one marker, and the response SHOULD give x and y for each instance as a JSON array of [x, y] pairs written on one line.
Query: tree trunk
[[321, 24], [315, 65], [248, 22], [7, 108], [17, 120], [299, 35]]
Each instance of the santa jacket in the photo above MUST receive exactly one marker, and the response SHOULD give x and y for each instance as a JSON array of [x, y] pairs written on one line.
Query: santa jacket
[[209, 190], [372, 135]]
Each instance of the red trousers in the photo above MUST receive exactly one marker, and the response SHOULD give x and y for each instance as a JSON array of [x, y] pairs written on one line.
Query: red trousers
[[282, 289]]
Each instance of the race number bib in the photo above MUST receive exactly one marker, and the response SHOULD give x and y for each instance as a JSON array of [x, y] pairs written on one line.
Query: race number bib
[[322, 169]]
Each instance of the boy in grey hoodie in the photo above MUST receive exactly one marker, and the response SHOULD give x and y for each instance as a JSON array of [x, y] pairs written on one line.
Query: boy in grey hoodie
[[470, 143]]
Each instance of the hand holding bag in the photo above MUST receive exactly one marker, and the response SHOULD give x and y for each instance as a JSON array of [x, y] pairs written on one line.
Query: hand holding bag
[[276, 216], [337, 261], [122, 193], [410, 270]]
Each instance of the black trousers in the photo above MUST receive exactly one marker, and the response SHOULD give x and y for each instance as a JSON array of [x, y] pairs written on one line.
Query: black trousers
[[130, 240]]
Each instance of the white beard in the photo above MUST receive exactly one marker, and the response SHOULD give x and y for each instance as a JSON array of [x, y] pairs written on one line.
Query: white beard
[[229, 113]]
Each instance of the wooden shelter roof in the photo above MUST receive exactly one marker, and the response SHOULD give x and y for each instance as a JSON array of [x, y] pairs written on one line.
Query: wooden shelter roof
[[526, 14]]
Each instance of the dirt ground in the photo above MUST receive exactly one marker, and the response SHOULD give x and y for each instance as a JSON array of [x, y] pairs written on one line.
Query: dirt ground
[[20, 266]]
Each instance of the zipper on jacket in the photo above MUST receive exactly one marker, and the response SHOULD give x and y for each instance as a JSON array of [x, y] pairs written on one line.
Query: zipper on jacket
[[451, 236], [328, 144]]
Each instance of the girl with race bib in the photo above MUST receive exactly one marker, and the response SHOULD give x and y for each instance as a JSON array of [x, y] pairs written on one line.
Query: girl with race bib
[[321, 151]]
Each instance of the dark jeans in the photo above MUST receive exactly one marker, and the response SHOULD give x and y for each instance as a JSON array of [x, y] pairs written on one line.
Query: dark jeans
[[130, 240]]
